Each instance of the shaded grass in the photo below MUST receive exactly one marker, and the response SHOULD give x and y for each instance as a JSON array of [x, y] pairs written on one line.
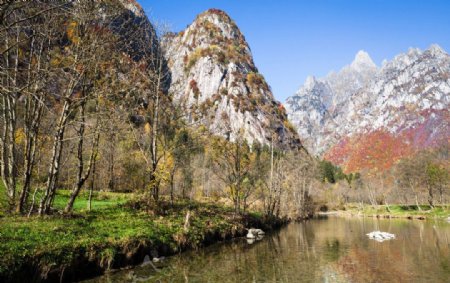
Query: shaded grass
[[3, 199]]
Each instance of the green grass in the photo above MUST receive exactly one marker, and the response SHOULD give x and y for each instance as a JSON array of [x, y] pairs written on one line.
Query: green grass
[[100, 200], [112, 227], [438, 211]]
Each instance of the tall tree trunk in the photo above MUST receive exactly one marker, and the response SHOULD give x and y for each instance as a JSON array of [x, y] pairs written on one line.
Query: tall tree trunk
[[172, 185], [91, 187], [54, 168], [416, 197], [81, 175], [12, 151], [111, 173], [4, 145], [34, 105], [154, 139], [32, 123], [430, 195], [9, 109]]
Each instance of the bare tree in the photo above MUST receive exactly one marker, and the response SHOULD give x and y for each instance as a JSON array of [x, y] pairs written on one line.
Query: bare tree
[[150, 124], [232, 166], [27, 31], [86, 41]]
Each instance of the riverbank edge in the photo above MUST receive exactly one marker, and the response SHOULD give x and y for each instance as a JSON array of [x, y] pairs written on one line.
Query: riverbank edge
[[133, 251], [382, 211]]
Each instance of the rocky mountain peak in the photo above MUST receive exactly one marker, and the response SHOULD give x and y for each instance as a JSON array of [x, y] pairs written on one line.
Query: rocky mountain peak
[[436, 50], [317, 90], [214, 76], [310, 82], [218, 14], [362, 60], [213, 27], [133, 6]]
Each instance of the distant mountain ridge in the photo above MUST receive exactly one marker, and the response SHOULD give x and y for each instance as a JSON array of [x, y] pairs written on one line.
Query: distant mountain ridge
[[365, 117]]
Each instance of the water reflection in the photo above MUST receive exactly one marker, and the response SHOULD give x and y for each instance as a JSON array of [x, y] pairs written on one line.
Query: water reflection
[[330, 250]]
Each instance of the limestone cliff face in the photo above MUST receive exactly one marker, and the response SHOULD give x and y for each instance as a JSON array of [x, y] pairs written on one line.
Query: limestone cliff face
[[214, 77]]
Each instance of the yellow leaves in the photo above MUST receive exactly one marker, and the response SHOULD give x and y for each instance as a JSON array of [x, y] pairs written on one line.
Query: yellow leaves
[[59, 60], [55, 61], [21, 53], [147, 128], [164, 168], [167, 163], [20, 136], [34, 61], [72, 32]]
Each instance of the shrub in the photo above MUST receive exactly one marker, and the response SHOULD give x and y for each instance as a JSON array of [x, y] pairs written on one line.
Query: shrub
[[224, 91], [224, 116], [288, 125], [194, 87], [211, 51], [256, 80]]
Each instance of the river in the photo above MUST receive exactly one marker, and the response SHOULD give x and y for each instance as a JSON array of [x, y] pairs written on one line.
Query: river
[[321, 250]]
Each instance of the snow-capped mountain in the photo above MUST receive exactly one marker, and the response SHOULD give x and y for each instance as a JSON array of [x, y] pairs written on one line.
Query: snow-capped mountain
[[215, 78], [376, 115]]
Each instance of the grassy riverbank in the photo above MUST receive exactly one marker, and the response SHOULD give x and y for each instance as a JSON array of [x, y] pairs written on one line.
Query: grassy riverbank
[[118, 232], [398, 211]]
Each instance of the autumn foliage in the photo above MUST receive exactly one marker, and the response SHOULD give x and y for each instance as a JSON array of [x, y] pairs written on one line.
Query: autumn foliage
[[376, 151], [380, 150]]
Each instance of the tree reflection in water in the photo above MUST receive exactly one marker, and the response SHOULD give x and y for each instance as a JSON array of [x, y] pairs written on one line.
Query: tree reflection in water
[[329, 250]]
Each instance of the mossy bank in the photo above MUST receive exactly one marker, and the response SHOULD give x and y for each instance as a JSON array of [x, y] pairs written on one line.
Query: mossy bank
[[117, 233]]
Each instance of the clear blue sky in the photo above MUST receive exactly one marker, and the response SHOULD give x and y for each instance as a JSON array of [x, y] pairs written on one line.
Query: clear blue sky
[[291, 39]]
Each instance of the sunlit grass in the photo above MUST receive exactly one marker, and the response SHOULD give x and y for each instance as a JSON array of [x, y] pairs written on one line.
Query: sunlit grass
[[100, 200], [109, 228], [438, 211]]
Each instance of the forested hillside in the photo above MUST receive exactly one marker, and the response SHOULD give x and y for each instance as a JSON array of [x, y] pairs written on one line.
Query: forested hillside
[[90, 104], [92, 129]]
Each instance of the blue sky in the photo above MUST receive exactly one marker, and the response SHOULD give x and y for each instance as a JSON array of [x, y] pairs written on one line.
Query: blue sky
[[291, 39]]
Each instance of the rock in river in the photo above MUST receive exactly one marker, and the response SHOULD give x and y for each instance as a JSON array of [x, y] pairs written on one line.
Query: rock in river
[[380, 236]]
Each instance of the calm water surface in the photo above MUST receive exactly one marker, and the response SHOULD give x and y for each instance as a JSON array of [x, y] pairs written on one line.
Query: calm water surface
[[322, 250]]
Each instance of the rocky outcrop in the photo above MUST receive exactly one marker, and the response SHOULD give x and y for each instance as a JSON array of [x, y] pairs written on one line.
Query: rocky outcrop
[[215, 79], [318, 102]]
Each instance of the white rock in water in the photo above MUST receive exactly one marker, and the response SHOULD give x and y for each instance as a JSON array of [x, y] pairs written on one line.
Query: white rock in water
[[158, 259], [250, 235], [380, 236], [254, 231]]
